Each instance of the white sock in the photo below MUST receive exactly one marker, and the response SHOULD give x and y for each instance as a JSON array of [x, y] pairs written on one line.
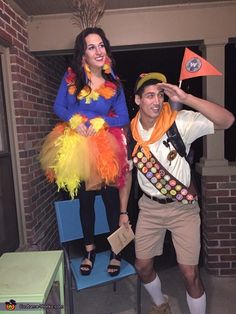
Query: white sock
[[154, 289], [197, 306]]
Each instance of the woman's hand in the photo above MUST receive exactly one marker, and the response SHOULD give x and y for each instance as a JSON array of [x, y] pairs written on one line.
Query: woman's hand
[[91, 131], [82, 129], [124, 220]]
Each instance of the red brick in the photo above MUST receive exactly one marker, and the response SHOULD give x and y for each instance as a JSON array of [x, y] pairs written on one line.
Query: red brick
[[23, 71], [210, 228], [228, 185], [210, 193], [217, 207], [228, 258], [210, 200], [227, 243], [213, 258], [228, 214], [220, 222], [218, 236], [211, 186], [210, 215], [17, 43], [228, 272], [9, 12], [227, 228], [21, 21], [227, 199], [219, 265], [214, 272], [17, 60], [10, 30], [5, 37], [217, 179], [16, 26], [5, 17], [211, 243], [32, 98], [218, 251], [21, 112], [22, 39]]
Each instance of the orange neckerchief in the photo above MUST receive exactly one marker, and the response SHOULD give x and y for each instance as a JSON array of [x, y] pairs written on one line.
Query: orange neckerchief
[[164, 122]]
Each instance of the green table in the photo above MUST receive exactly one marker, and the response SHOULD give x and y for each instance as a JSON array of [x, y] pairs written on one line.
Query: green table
[[27, 278]]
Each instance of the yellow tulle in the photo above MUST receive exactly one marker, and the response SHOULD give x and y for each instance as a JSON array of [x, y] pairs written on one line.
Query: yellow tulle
[[69, 170]]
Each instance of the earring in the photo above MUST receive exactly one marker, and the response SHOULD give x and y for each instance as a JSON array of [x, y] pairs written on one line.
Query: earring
[[107, 66], [87, 70]]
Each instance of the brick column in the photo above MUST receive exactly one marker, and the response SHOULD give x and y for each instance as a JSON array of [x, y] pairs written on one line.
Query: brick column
[[219, 224], [218, 183]]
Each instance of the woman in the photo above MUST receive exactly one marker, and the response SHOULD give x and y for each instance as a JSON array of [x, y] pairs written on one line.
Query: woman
[[87, 152]]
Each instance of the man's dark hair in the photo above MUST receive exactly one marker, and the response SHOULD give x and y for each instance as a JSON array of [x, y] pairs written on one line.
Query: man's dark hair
[[140, 91]]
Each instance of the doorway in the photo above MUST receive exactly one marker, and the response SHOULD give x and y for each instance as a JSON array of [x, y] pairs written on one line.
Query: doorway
[[9, 238]]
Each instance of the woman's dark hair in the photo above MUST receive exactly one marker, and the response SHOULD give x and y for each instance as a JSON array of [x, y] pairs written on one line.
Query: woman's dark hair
[[79, 50]]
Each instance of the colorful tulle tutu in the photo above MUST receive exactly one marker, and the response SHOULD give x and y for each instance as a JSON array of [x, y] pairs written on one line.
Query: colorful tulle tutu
[[67, 158]]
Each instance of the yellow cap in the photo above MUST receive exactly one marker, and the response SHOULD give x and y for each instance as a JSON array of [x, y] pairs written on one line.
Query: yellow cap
[[149, 76]]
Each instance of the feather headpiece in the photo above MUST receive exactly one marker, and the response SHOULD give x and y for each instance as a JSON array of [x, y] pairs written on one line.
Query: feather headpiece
[[87, 13]]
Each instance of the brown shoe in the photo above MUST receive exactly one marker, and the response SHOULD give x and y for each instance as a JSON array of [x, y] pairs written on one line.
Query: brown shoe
[[163, 308]]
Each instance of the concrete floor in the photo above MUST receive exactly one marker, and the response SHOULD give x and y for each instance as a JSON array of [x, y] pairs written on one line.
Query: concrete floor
[[221, 295]]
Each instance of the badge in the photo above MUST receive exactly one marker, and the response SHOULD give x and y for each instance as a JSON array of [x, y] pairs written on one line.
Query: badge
[[172, 154]]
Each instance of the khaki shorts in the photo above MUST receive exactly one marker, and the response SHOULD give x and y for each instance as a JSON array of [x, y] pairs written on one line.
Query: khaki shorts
[[183, 221]]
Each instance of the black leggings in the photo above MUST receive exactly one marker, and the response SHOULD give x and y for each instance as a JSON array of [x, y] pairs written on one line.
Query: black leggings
[[110, 196]]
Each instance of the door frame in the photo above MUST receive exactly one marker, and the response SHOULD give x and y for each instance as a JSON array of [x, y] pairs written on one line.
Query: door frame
[[11, 121]]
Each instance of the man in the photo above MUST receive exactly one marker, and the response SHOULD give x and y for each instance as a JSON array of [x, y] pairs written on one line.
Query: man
[[168, 201]]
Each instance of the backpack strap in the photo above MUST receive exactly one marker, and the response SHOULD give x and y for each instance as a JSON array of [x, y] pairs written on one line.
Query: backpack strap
[[176, 140], [174, 137]]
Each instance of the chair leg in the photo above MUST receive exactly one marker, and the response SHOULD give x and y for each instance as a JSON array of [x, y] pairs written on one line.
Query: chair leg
[[114, 286], [70, 294], [69, 279], [138, 295], [71, 303]]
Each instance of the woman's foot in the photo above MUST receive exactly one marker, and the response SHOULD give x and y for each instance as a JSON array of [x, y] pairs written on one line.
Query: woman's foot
[[88, 262], [113, 268]]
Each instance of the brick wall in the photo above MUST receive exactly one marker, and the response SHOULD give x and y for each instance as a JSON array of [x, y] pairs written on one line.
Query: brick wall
[[35, 81], [219, 224]]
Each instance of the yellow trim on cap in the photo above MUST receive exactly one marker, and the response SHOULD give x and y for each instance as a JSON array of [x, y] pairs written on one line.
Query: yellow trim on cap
[[150, 76]]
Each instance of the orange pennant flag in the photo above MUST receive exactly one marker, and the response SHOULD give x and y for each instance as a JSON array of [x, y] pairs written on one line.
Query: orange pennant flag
[[193, 65]]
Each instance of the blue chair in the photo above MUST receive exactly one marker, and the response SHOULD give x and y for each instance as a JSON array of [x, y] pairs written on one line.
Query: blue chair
[[69, 227]]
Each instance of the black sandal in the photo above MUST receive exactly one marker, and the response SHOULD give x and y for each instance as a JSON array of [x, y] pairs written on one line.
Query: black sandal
[[88, 268], [114, 270]]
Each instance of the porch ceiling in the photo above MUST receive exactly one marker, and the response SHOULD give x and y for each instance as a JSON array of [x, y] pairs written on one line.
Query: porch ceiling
[[44, 7]]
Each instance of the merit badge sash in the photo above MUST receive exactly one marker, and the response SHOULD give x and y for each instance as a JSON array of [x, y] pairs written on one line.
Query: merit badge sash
[[162, 180]]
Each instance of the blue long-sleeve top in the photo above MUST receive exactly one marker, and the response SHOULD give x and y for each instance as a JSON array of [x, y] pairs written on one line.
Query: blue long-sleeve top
[[67, 104]]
